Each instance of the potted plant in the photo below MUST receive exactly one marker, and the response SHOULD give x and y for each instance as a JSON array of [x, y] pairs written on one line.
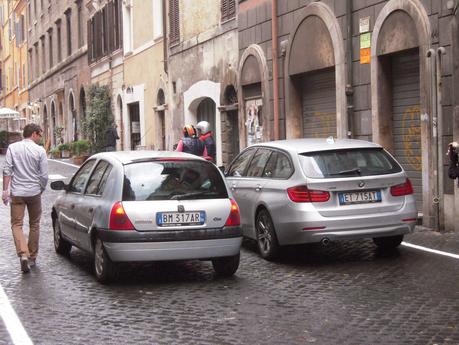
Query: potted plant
[[65, 150], [80, 150], [55, 152]]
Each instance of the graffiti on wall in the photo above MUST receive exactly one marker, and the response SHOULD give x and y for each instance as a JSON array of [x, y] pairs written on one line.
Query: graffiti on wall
[[254, 121], [321, 125], [411, 137]]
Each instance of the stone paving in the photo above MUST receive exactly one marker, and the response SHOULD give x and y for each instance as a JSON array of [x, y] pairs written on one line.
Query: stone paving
[[347, 293]]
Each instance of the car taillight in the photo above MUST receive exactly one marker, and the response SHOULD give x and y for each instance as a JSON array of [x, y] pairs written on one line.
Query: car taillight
[[304, 194], [402, 189], [234, 218], [119, 219]]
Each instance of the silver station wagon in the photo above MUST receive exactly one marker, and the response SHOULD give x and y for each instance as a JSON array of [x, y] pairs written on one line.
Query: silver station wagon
[[147, 206], [320, 190]]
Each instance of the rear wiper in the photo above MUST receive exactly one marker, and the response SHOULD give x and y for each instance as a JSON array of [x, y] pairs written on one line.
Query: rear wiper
[[190, 195], [350, 171]]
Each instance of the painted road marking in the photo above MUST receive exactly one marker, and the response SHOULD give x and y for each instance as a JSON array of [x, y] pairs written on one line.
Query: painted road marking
[[439, 252], [58, 161], [14, 326], [56, 177]]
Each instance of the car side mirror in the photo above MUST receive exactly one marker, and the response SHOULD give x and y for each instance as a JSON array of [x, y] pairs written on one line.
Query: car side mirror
[[58, 185], [222, 169]]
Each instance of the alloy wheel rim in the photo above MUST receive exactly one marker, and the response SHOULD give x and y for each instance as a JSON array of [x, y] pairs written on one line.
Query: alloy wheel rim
[[264, 237]]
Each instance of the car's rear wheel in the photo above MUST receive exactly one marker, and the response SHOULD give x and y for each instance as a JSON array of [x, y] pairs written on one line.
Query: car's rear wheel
[[227, 266], [105, 270], [61, 246], [268, 245], [389, 242]]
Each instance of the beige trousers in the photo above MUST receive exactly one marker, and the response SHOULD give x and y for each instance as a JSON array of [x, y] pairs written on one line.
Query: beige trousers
[[18, 205]]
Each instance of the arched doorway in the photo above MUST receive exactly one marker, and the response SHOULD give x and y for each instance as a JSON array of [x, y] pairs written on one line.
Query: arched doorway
[[400, 94], [160, 108], [53, 123], [73, 117], [315, 85], [230, 133], [254, 97], [82, 110], [46, 136], [206, 112]]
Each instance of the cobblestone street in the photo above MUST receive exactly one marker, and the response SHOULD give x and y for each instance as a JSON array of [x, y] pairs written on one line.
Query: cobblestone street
[[347, 293]]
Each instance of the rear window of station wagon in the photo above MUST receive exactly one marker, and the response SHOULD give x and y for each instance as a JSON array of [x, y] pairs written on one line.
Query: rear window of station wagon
[[172, 180], [348, 162]]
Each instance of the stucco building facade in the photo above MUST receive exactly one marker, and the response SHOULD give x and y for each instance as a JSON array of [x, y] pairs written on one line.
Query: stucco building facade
[[145, 77], [14, 83], [58, 66], [203, 59]]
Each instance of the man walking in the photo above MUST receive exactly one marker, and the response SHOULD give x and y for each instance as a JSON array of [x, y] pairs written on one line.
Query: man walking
[[111, 136], [25, 175]]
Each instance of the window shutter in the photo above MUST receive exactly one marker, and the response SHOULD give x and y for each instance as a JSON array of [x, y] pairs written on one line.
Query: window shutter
[[98, 35], [231, 9], [110, 27], [228, 9], [90, 41], [174, 21]]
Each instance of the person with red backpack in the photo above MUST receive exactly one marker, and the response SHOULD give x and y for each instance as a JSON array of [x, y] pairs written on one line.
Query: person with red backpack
[[206, 136]]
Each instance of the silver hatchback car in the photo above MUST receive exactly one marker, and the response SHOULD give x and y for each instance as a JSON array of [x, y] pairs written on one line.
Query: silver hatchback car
[[148, 206], [320, 190]]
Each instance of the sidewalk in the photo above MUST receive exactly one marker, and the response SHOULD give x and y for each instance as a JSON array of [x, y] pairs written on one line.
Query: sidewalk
[[444, 241]]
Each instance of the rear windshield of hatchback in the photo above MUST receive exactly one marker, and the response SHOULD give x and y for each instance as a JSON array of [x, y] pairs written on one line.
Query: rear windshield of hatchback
[[172, 180], [348, 163]]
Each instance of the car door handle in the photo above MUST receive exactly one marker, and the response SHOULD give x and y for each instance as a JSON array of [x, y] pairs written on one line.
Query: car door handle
[[258, 188], [233, 187], [90, 210]]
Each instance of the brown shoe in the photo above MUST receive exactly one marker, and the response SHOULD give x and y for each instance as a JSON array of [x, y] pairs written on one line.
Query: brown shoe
[[25, 268]]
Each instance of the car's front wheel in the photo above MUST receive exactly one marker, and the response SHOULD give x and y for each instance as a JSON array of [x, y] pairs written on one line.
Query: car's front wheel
[[61, 246], [226, 266], [105, 270], [268, 245], [389, 242]]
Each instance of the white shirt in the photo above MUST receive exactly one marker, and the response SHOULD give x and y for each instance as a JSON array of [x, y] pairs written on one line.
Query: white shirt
[[27, 164]]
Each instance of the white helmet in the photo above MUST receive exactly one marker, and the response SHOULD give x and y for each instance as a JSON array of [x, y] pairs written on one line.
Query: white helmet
[[203, 126]]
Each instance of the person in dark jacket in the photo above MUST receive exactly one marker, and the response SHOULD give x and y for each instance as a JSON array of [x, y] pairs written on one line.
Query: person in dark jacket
[[206, 136], [190, 143], [111, 136], [453, 169]]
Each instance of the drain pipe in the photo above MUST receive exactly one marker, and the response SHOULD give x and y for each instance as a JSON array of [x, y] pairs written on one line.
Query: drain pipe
[[433, 88], [275, 68], [349, 89], [440, 52]]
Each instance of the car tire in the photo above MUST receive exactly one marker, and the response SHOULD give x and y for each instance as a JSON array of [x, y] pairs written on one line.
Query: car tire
[[226, 266], [104, 269], [389, 242], [61, 246], [268, 246]]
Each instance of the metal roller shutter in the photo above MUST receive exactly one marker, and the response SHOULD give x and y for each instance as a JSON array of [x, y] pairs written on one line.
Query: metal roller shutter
[[406, 118], [319, 104]]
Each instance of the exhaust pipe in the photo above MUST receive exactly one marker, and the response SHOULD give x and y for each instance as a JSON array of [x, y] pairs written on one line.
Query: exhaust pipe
[[325, 242]]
